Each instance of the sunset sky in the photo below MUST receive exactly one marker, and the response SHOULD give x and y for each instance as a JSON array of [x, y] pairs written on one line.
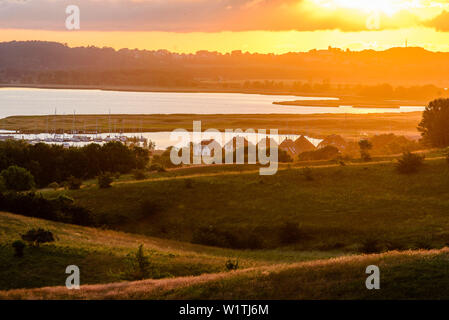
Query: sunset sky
[[224, 25]]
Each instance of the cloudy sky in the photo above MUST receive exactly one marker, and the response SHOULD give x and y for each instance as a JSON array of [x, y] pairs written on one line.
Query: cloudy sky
[[225, 25]]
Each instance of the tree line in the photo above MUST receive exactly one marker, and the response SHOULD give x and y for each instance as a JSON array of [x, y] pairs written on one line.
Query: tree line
[[53, 163]]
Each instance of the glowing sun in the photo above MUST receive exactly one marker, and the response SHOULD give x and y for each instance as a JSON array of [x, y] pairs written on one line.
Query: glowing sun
[[389, 7]]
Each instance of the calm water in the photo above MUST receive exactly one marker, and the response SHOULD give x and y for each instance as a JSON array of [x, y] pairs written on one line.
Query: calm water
[[24, 101]]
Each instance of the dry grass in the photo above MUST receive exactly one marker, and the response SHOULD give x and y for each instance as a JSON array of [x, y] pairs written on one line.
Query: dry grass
[[313, 275]]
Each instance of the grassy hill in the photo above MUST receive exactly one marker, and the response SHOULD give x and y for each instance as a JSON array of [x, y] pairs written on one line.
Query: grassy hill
[[340, 208], [101, 254], [404, 275]]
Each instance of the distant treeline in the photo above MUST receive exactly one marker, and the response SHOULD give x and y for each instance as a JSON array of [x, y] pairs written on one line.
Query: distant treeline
[[37, 62], [52, 163]]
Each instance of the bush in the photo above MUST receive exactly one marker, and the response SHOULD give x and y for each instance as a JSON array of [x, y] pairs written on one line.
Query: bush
[[326, 153], [139, 174], [409, 163], [232, 265], [157, 167], [149, 207], [370, 245], [38, 236], [138, 265], [18, 246], [188, 183], [74, 183], [53, 185], [105, 180], [17, 178], [78, 215], [289, 233], [307, 173], [235, 239]]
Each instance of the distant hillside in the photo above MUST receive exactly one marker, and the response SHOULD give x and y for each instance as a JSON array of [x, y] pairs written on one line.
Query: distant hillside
[[36, 62]]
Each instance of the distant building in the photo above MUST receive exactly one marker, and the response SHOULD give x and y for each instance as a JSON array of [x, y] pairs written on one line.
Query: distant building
[[266, 143], [206, 148], [334, 140], [294, 148], [236, 143]]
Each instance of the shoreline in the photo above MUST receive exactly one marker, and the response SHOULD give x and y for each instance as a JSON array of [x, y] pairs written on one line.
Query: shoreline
[[165, 90], [316, 125]]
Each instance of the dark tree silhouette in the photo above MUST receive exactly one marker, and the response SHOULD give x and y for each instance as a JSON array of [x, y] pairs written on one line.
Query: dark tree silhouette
[[434, 126], [365, 146]]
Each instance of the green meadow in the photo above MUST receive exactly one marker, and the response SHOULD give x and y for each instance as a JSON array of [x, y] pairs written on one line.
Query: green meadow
[[338, 208]]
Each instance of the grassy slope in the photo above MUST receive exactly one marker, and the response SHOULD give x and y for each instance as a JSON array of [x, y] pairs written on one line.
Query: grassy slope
[[404, 275], [340, 208], [100, 255]]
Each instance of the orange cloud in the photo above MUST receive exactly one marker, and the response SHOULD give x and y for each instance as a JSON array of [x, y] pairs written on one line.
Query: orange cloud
[[195, 15]]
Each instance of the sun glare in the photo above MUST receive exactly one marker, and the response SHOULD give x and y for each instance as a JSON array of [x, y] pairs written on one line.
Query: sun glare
[[389, 7]]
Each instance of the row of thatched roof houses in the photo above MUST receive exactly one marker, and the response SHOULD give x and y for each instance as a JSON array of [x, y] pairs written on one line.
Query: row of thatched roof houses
[[293, 147]]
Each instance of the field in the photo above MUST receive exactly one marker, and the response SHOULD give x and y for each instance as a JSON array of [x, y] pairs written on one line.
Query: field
[[300, 234], [317, 126], [342, 208], [101, 255], [405, 275]]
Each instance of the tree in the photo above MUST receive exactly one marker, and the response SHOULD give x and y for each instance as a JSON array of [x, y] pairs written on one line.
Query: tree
[[434, 126], [17, 178], [365, 146]]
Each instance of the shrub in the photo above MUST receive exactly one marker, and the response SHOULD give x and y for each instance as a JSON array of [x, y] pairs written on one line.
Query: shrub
[[157, 167], [139, 174], [2, 185], [18, 246], [235, 239], [409, 163], [104, 180], [370, 245], [17, 178], [289, 233], [64, 200], [138, 265], [53, 185], [38, 236], [188, 183], [307, 173], [232, 265], [325, 153], [149, 207], [74, 183], [77, 215]]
